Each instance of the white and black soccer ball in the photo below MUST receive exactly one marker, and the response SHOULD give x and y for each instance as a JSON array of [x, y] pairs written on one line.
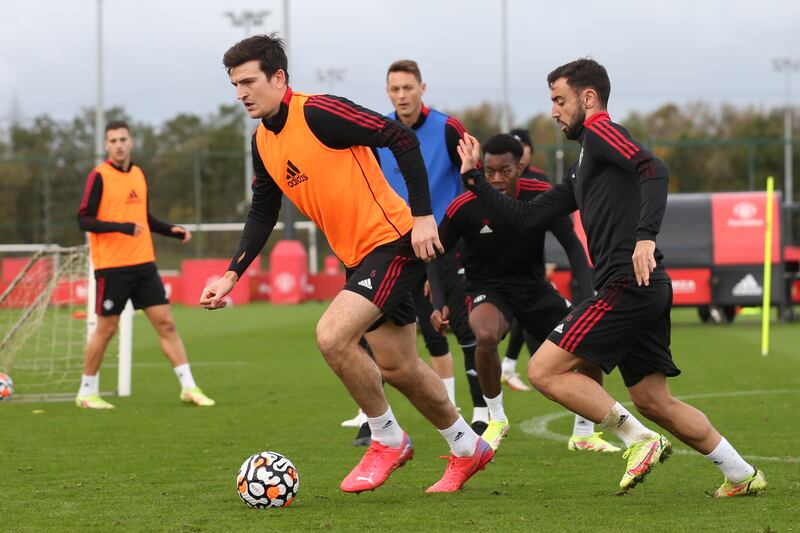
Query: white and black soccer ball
[[267, 479], [6, 387]]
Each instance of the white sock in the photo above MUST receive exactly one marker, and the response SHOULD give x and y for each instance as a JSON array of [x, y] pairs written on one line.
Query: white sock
[[508, 366], [450, 386], [730, 462], [386, 430], [495, 405], [582, 427], [460, 437], [625, 426], [480, 414], [90, 385], [184, 374]]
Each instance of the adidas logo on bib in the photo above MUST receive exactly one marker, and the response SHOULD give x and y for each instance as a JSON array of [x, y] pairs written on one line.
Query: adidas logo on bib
[[559, 328], [366, 283], [486, 229]]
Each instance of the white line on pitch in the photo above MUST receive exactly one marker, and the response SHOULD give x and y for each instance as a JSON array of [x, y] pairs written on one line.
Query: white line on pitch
[[538, 426], [192, 363]]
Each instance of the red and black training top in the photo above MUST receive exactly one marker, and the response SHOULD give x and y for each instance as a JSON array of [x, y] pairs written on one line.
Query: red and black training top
[[496, 251], [620, 188]]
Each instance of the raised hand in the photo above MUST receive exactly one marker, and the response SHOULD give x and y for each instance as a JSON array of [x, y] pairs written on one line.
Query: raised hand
[[469, 149]]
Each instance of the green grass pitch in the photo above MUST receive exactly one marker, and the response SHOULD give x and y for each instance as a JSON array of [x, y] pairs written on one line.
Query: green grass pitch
[[154, 464]]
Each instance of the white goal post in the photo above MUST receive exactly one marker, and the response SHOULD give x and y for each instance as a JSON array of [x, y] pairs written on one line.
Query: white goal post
[[42, 338], [42, 334]]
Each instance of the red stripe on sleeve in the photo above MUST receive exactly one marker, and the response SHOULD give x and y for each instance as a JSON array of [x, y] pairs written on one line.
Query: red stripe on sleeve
[[456, 204], [533, 185], [346, 111], [457, 125], [88, 190], [625, 153], [621, 139]]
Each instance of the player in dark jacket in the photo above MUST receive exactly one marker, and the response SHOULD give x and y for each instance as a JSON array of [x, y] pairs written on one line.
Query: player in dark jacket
[[505, 278], [621, 190]]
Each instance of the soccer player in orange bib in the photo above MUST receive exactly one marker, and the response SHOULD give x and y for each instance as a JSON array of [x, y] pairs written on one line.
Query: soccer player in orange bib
[[317, 150], [116, 214]]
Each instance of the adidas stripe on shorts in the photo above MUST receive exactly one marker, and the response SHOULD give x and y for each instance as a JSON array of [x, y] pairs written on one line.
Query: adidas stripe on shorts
[[386, 277], [623, 325]]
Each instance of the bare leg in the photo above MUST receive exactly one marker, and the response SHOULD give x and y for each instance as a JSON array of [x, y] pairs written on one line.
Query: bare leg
[[338, 331], [443, 365], [395, 353], [96, 347], [552, 371], [160, 317], [654, 400], [489, 326], [591, 370]]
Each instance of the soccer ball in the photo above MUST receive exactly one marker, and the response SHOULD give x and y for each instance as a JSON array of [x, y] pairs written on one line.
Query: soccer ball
[[267, 479], [6, 387]]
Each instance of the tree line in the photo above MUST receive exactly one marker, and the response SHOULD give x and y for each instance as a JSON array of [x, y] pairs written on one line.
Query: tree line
[[195, 167]]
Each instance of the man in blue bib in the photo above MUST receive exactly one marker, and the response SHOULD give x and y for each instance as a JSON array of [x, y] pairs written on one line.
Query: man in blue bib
[[438, 136]]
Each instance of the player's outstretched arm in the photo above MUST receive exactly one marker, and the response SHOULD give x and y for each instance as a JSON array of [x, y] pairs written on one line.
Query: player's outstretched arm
[[555, 202]]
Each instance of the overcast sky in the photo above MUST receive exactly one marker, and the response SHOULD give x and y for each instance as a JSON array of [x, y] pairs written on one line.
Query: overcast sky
[[163, 57]]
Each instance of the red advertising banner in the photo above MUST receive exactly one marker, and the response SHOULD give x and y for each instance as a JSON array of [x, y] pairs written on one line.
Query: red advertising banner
[[738, 219], [560, 280], [288, 272], [690, 286], [196, 274]]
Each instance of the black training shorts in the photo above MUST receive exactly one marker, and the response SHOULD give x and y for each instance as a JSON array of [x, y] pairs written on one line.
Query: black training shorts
[[139, 283], [386, 277], [623, 325], [538, 307]]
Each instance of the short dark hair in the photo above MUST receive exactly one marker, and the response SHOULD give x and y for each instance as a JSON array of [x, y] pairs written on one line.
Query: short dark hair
[[267, 49], [503, 143], [582, 74], [522, 136], [117, 125], [405, 65]]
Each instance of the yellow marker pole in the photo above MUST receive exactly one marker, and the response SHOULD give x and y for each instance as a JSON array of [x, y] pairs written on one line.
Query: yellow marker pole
[[767, 270]]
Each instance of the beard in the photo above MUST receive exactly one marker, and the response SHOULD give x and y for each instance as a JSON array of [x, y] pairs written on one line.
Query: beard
[[575, 129]]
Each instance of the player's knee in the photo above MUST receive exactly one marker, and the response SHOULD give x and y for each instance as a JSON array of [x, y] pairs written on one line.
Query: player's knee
[[649, 406], [330, 341], [487, 336], [394, 375], [540, 378], [106, 331], [166, 327]]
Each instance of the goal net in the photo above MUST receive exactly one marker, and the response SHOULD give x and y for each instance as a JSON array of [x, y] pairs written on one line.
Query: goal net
[[46, 314]]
